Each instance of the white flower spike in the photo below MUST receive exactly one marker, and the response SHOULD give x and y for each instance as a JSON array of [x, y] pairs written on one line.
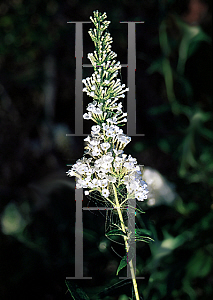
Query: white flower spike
[[107, 164], [105, 168]]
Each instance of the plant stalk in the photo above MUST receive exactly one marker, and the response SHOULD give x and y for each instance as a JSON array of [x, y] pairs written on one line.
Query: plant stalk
[[126, 244]]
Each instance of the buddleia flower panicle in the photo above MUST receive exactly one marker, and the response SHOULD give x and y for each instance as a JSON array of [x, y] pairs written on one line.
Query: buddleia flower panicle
[[104, 162]]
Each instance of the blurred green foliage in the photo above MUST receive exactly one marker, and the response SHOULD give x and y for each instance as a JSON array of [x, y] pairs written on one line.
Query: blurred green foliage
[[37, 207], [23, 25]]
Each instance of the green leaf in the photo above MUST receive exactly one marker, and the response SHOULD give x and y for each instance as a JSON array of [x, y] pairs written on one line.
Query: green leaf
[[115, 232], [200, 265], [115, 289], [143, 235], [76, 292], [122, 264], [156, 66], [137, 209]]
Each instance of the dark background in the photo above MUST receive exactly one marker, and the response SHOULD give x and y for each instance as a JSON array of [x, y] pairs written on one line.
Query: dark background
[[174, 111]]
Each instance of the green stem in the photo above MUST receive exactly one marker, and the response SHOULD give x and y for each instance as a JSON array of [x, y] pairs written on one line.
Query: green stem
[[126, 243]]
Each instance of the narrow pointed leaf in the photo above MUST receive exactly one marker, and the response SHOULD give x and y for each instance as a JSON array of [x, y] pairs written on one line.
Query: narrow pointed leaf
[[115, 232], [122, 264], [143, 235], [76, 292]]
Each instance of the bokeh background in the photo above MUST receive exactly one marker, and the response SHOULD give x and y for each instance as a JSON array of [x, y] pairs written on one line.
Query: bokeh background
[[174, 111]]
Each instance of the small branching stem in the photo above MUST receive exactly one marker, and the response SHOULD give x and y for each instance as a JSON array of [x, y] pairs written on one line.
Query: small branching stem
[[126, 243]]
